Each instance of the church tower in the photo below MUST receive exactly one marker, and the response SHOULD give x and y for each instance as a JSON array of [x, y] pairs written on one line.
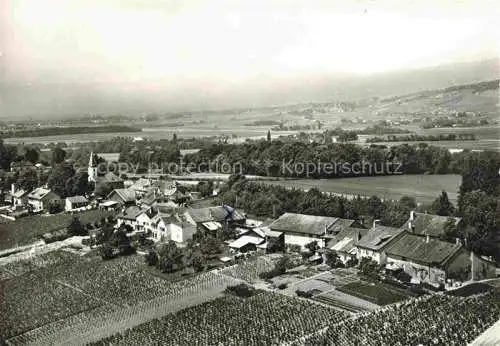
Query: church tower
[[92, 169]]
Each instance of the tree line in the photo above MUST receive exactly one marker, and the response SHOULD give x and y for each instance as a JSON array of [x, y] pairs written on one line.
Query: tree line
[[268, 158], [422, 138], [71, 130]]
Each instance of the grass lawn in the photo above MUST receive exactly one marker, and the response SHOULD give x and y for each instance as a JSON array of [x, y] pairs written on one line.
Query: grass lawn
[[425, 188], [376, 294], [27, 229]]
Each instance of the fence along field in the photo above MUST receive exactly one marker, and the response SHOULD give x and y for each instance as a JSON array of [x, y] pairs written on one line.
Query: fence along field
[[105, 297]]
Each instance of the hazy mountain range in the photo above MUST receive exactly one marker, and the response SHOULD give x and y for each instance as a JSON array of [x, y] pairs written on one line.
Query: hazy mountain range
[[60, 99]]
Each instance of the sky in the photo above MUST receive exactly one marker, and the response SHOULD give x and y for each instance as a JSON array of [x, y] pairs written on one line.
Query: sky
[[159, 46]]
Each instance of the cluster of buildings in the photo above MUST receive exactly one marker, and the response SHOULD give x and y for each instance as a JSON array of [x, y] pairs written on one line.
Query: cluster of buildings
[[417, 247], [157, 209], [145, 192]]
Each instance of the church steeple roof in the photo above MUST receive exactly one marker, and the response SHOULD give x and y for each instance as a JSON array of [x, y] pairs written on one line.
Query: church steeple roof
[[92, 160]]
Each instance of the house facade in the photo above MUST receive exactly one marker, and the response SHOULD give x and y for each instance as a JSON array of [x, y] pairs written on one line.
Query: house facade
[[40, 199], [434, 261], [374, 243], [75, 202]]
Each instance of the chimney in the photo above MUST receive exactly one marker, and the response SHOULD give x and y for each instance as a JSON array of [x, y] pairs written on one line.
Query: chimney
[[457, 241], [427, 238], [12, 189], [375, 222]]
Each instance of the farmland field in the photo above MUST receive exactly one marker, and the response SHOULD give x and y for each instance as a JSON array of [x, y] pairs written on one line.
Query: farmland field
[[429, 320], [263, 319], [425, 188], [58, 295], [376, 294], [27, 229]]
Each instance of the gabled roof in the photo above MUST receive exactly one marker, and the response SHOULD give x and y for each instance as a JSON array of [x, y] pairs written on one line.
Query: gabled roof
[[39, 193], [109, 177], [20, 193], [141, 184], [309, 224], [131, 213], [429, 224], [77, 199], [219, 214], [345, 245], [351, 232], [244, 240], [378, 237], [419, 249], [126, 195]]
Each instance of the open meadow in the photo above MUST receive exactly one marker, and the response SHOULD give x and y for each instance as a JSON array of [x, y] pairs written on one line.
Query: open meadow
[[27, 229], [425, 188]]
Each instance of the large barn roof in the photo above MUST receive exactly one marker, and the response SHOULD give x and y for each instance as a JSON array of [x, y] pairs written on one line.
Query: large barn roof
[[309, 224]]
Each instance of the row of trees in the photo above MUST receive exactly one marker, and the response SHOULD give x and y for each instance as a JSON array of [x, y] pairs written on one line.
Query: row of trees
[[427, 138], [270, 158]]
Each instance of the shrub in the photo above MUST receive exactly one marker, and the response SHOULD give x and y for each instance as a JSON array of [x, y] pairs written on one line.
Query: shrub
[[241, 290], [282, 286], [304, 294], [107, 252]]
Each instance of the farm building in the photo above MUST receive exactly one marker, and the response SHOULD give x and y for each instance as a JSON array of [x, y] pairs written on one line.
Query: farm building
[[124, 197], [75, 202], [40, 199], [246, 243], [344, 243], [376, 240], [428, 224], [432, 260], [301, 229], [220, 214]]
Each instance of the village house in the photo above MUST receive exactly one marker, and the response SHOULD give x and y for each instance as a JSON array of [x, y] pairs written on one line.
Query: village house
[[160, 229], [376, 240], [40, 199], [344, 243], [141, 186], [181, 230], [302, 229], [19, 197], [75, 202], [124, 197], [172, 227], [129, 217], [429, 224], [212, 218], [434, 261]]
